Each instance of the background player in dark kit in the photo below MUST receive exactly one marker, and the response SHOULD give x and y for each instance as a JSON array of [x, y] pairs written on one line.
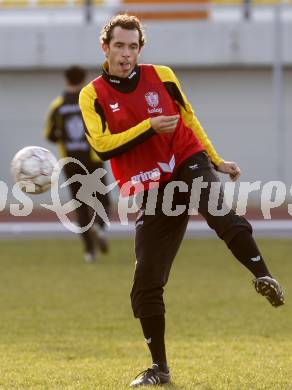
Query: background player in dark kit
[[65, 126]]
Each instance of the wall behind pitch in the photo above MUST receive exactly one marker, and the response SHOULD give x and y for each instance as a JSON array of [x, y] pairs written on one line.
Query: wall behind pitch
[[234, 105], [185, 43]]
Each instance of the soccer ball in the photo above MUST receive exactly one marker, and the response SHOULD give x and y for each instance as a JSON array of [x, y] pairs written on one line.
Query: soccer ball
[[32, 168]]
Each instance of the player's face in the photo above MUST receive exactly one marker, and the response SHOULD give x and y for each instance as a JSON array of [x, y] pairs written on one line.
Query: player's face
[[122, 52]]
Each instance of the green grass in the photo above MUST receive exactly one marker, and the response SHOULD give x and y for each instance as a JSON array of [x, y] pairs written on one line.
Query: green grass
[[68, 325]]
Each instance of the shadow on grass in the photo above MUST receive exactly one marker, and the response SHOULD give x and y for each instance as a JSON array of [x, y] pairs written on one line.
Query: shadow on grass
[[173, 386]]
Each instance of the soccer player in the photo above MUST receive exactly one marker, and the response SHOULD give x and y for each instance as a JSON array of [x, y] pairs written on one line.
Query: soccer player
[[137, 116], [65, 126]]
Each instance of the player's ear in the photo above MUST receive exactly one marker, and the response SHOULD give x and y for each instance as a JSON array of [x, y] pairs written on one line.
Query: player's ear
[[105, 48]]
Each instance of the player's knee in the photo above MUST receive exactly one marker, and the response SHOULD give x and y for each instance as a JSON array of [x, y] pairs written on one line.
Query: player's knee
[[147, 302], [228, 226], [240, 224]]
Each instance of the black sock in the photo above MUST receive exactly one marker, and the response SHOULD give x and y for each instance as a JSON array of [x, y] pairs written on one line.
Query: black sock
[[88, 241], [245, 249], [154, 329]]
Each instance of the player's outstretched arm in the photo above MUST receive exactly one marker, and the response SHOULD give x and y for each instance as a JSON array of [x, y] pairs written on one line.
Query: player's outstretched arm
[[173, 87], [230, 168]]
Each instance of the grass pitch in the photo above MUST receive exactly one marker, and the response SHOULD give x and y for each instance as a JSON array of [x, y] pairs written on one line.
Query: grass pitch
[[69, 325]]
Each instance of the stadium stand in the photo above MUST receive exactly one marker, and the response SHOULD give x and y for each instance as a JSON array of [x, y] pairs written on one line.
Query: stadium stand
[[45, 3], [169, 14], [63, 3]]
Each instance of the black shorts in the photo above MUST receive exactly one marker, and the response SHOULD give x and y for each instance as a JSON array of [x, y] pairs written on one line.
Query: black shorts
[[158, 237]]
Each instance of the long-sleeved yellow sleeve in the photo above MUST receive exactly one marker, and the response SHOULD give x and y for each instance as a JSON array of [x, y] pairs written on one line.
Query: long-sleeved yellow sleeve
[[51, 128], [172, 84]]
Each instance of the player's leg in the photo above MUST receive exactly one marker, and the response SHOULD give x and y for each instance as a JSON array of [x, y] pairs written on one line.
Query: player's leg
[[157, 241], [235, 230], [99, 224], [89, 236], [84, 215]]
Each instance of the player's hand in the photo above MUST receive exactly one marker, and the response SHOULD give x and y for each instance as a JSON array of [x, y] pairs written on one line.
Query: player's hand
[[164, 123], [230, 168]]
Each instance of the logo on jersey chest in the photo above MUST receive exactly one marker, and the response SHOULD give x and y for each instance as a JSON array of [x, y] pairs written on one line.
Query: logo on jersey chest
[[115, 107], [152, 99]]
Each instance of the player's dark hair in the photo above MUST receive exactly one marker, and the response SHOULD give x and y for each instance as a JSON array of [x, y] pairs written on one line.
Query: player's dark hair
[[75, 75], [128, 22]]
